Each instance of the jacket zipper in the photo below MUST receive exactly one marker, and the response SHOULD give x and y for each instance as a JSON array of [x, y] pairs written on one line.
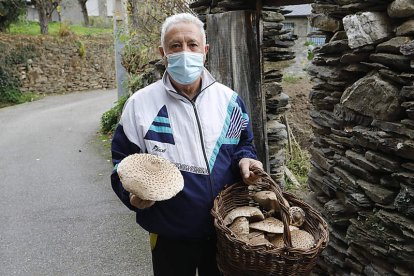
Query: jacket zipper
[[203, 148]]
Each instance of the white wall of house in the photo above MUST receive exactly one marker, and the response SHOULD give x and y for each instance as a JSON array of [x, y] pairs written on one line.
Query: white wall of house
[[72, 13]]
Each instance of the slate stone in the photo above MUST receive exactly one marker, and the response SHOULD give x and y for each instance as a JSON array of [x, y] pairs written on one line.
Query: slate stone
[[325, 23], [410, 113], [375, 66], [350, 182], [383, 102], [393, 45], [343, 140], [272, 88], [389, 182], [392, 76], [401, 8], [367, 28], [408, 123], [407, 49], [340, 35], [360, 160], [405, 177], [376, 193], [324, 118], [357, 171], [385, 162], [408, 105], [359, 201], [394, 127], [272, 16], [321, 160], [404, 201], [338, 46], [408, 92], [345, 114], [350, 58], [408, 166], [397, 62], [406, 29], [398, 222]]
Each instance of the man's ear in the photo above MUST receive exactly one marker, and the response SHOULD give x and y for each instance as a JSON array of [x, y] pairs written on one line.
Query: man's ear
[[161, 51], [206, 48]]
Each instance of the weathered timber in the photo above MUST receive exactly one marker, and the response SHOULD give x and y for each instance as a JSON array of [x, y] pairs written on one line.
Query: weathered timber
[[234, 60]]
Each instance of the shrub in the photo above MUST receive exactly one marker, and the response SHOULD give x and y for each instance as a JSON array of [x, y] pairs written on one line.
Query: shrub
[[110, 118], [10, 58]]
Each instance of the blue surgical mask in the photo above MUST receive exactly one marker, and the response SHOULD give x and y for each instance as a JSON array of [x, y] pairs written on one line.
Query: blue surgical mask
[[185, 67]]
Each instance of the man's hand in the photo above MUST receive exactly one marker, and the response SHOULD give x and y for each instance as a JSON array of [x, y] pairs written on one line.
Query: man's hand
[[140, 203], [246, 166]]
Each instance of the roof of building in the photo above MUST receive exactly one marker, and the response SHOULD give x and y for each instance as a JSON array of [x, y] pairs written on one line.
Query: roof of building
[[299, 10]]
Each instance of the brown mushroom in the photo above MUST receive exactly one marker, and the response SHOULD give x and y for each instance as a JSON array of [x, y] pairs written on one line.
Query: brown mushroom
[[259, 240], [240, 227], [244, 211], [300, 239], [254, 234], [267, 200], [270, 225], [150, 177], [297, 216]]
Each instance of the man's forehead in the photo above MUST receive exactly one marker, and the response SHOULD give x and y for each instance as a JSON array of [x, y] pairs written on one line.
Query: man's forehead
[[183, 31]]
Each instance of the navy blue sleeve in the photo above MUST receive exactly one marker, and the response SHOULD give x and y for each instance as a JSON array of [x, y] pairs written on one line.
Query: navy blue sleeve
[[121, 147], [245, 147]]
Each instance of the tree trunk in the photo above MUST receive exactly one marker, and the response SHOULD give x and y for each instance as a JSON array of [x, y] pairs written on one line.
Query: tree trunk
[[133, 16], [43, 20], [84, 12]]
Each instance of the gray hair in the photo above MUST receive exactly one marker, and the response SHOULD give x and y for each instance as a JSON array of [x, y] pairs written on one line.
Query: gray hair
[[181, 18]]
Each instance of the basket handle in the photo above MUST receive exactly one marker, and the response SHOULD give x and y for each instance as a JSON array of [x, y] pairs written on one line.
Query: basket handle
[[263, 178]]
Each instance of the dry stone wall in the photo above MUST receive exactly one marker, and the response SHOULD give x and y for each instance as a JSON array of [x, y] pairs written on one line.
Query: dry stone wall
[[276, 44], [65, 64], [363, 119]]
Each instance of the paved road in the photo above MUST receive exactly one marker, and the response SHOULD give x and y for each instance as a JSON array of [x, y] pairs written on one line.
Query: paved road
[[58, 214]]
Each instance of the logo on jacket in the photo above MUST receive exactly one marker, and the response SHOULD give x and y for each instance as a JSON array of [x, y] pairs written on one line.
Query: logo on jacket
[[158, 149], [160, 129]]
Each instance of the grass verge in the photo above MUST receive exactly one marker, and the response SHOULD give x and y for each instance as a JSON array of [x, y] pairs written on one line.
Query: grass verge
[[33, 28]]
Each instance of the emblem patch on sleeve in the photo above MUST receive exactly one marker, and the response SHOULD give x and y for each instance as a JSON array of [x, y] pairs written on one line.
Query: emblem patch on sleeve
[[160, 129]]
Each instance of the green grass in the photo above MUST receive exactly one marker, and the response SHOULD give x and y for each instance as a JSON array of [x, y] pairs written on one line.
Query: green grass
[[33, 28], [21, 98], [288, 78]]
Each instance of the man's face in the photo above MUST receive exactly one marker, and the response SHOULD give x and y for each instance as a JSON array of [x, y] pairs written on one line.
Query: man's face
[[183, 37]]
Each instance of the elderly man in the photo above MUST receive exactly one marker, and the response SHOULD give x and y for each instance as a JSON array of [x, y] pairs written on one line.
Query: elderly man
[[203, 128]]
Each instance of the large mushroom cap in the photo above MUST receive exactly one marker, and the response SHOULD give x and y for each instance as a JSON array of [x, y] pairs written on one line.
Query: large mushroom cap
[[244, 211], [270, 225], [150, 177], [300, 239]]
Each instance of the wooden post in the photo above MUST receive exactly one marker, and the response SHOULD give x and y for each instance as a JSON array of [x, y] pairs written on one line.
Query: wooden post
[[235, 60]]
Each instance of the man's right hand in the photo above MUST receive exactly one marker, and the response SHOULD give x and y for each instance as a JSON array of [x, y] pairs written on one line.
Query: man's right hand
[[140, 203]]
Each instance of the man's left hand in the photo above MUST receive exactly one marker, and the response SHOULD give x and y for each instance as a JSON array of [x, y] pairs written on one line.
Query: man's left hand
[[246, 166]]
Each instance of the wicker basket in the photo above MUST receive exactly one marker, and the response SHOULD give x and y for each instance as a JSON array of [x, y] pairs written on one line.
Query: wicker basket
[[237, 258]]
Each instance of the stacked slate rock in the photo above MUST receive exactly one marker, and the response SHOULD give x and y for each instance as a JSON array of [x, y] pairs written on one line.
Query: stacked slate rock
[[276, 46], [363, 118]]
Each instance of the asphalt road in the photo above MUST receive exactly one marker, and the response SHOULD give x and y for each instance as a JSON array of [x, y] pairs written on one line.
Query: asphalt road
[[58, 213]]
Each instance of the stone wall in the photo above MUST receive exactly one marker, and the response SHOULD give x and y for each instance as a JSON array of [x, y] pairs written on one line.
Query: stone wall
[[363, 156], [65, 64]]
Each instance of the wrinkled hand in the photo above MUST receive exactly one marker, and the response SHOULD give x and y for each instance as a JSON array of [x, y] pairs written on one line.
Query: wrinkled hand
[[140, 203], [246, 166]]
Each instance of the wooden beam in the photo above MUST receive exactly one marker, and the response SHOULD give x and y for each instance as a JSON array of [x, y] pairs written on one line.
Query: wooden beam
[[288, 2], [234, 60]]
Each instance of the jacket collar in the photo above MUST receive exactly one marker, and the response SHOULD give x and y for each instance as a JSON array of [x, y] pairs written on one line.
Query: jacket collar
[[206, 81]]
